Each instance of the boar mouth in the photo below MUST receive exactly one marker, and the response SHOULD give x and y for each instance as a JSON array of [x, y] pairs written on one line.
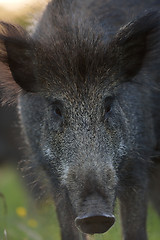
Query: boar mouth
[[92, 224]]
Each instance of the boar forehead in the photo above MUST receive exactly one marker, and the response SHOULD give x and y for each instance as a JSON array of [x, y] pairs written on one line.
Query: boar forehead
[[77, 75], [74, 57]]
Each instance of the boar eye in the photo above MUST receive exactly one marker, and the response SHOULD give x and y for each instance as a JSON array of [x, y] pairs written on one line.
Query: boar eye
[[58, 112], [56, 109], [108, 106], [108, 109], [56, 116]]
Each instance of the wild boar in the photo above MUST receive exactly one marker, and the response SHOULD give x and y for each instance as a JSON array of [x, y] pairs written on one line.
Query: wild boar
[[87, 86]]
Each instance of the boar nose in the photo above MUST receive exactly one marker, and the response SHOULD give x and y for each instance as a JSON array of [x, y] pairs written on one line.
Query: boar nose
[[91, 224]]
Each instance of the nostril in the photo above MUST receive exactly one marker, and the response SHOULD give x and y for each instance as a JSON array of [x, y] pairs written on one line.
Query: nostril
[[94, 224]]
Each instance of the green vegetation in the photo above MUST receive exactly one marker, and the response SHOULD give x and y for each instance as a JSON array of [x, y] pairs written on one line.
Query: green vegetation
[[23, 221]]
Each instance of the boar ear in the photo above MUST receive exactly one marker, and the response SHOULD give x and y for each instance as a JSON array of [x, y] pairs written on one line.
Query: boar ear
[[16, 55], [135, 42]]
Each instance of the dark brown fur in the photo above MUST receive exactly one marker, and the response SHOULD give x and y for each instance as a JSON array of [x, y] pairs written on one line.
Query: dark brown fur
[[85, 81], [84, 43]]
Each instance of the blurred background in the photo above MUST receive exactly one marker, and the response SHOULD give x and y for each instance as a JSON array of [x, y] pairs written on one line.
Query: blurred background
[[20, 11], [20, 217]]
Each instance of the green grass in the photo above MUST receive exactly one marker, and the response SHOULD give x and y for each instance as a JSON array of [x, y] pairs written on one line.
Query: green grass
[[24, 227], [42, 224]]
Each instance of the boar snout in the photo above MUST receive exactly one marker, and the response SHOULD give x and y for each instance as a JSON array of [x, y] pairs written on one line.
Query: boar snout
[[95, 215], [92, 224]]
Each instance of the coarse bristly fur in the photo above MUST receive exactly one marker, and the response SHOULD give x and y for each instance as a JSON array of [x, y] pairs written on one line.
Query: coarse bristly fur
[[72, 35], [87, 85]]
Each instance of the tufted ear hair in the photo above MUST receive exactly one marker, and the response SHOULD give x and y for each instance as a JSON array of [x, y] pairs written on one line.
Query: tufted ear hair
[[135, 44], [17, 60]]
